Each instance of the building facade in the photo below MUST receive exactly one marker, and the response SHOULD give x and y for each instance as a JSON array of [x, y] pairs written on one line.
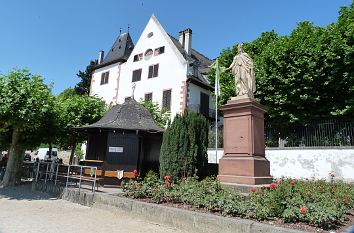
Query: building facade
[[159, 68]]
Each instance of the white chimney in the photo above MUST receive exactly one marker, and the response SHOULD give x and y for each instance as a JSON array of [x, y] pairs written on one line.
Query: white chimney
[[185, 39], [181, 38], [188, 41], [100, 56]]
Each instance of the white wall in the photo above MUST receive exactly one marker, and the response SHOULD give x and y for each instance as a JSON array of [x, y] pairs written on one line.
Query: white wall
[[306, 163], [194, 95], [107, 91], [311, 163], [172, 69]]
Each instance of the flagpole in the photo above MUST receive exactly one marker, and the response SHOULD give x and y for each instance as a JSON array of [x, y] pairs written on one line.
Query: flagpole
[[216, 110]]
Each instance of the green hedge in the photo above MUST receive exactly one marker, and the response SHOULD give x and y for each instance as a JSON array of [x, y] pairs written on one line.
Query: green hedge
[[184, 147]]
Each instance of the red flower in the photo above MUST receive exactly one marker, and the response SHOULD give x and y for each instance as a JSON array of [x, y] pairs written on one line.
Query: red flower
[[253, 190], [273, 186], [167, 177], [136, 173], [303, 210], [167, 184], [292, 183], [321, 190]]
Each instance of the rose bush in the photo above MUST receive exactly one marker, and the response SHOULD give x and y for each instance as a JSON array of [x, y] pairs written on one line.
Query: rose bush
[[318, 203]]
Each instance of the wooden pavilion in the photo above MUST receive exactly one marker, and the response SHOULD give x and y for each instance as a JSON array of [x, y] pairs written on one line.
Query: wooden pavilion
[[126, 138]]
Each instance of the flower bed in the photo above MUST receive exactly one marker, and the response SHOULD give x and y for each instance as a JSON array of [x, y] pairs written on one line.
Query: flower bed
[[319, 203]]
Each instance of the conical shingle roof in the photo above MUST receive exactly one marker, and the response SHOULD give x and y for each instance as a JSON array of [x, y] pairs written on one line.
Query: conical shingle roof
[[128, 116]]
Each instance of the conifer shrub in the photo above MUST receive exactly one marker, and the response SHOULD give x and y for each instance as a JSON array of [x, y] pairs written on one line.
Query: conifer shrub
[[184, 147]]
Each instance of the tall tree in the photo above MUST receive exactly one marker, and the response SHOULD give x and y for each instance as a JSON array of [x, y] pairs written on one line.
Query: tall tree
[[83, 87], [75, 111], [307, 75], [25, 102]]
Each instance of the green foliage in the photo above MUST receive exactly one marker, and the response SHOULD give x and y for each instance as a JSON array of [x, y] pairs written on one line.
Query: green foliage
[[160, 115], [211, 137], [78, 152], [83, 87], [24, 100], [184, 147], [307, 75], [314, 202], [75, 111], [26, 104]]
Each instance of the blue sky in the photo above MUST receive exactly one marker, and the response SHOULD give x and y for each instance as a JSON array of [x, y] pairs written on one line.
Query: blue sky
[[57, 38]]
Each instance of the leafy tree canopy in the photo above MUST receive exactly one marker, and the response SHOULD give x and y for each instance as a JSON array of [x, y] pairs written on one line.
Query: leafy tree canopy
[[75, 111], [307, 75], [83, 87], [160, 115], [24, 100]]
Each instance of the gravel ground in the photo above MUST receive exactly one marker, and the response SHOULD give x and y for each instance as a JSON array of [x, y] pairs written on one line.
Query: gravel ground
[[24, 211]]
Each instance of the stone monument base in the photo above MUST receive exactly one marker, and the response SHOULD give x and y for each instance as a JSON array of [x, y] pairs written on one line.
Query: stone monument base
[[244, 161], [244, 170], [244, 188]]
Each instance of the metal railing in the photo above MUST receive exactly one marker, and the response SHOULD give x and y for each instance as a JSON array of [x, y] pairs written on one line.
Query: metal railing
[[327, 133], [64, 175]]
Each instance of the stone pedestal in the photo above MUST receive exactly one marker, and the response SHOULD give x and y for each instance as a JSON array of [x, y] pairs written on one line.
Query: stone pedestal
[[244, 161]]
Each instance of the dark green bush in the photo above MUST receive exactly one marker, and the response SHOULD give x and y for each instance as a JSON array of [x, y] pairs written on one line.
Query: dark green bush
[[184, 147]]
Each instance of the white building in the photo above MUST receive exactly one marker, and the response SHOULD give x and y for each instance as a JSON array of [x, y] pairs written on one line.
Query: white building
[[160, 68]]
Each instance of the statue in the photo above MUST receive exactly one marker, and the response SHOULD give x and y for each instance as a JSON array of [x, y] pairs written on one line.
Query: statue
[[243, 70]]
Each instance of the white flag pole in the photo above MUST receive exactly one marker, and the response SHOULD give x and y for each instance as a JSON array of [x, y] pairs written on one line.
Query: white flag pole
[[216, 110]]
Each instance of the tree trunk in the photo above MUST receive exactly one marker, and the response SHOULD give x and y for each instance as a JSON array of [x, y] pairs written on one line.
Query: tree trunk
[[73, 148], [14, 162]]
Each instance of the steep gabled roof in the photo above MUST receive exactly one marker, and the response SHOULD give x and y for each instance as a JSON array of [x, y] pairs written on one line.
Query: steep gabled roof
[[127, 116], [202, 62], [120, 51]]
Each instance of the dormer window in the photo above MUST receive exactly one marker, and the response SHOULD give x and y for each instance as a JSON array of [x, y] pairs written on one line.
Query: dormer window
[[159, 50], [138, 57]]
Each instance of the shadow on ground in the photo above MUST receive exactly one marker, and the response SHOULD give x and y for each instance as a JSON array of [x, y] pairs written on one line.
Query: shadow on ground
[[24, 191]]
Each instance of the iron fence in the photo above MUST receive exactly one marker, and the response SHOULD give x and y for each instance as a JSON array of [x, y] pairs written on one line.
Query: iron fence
[[327, 133]]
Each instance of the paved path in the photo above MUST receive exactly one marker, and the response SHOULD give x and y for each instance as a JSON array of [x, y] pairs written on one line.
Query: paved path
[[23, 211]]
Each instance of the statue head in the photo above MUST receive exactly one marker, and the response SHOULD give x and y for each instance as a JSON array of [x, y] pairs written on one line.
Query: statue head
[[240, 48]]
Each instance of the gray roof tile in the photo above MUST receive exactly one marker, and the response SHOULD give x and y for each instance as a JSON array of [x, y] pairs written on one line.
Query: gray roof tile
[[121, 49], [127, 116]]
